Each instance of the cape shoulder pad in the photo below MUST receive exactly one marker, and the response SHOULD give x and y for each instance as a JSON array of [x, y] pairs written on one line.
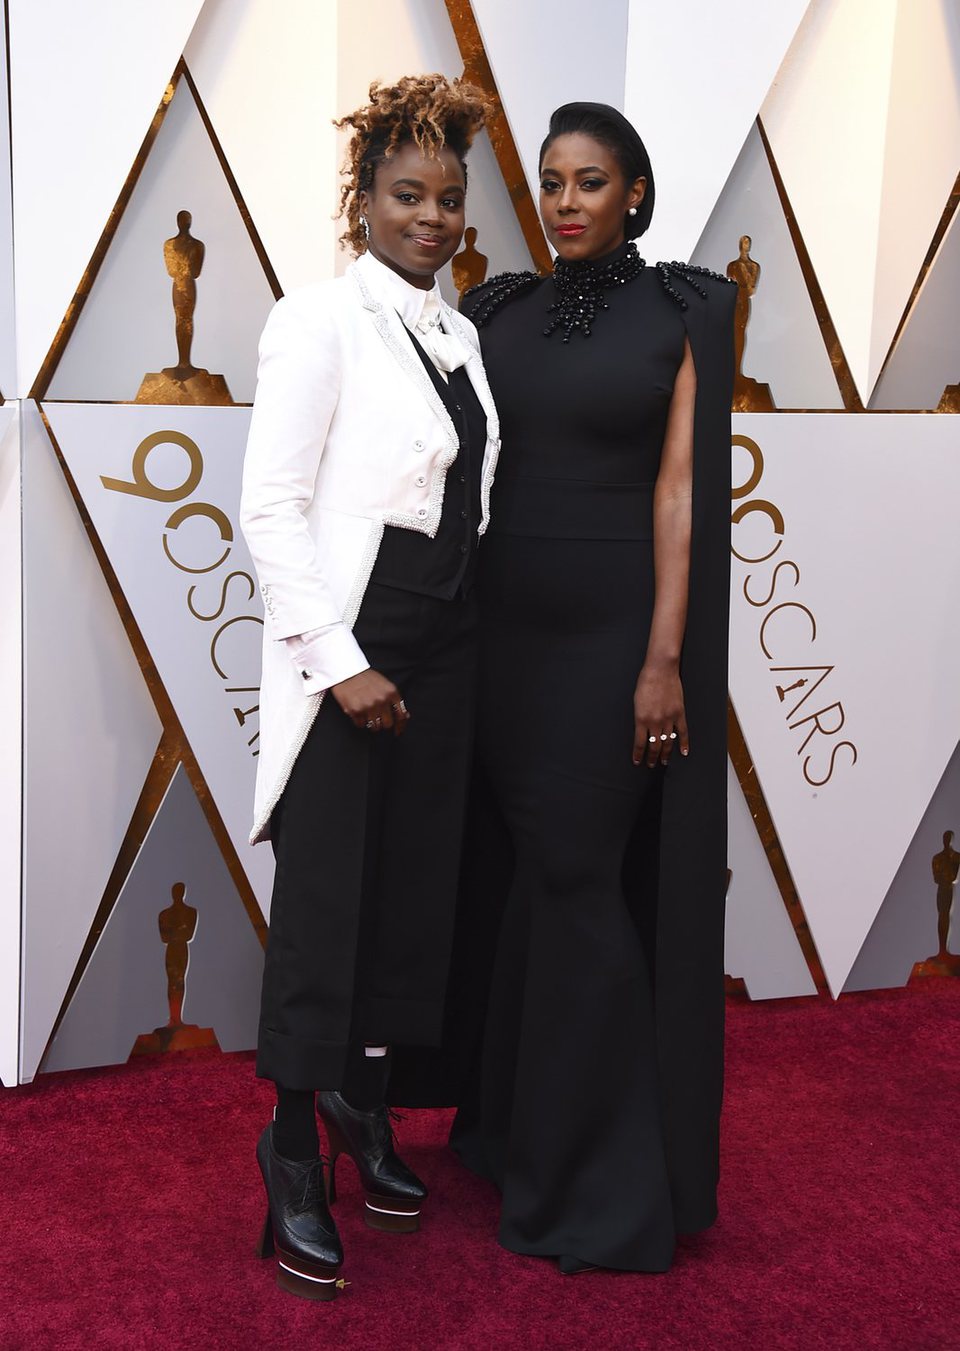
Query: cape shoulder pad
[[482, 302], [688, 275]]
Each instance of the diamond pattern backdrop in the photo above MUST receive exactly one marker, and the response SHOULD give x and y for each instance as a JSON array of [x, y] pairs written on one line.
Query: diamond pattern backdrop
[[828, 132]]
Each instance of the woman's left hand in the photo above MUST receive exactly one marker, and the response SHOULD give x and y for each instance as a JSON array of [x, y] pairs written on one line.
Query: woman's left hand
[[658, 715]]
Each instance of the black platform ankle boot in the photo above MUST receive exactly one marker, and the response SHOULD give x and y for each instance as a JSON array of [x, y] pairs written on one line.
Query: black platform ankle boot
[[299, 1227], [393, 1193]]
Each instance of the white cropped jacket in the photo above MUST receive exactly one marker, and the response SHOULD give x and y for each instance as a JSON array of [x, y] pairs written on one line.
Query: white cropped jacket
[[348, 434]]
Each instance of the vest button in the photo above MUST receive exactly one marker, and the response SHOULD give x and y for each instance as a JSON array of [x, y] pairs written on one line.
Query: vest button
[[463, 515], [420, 481], [422, 511]]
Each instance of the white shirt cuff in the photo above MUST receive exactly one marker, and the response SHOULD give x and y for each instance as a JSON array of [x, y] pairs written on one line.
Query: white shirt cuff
[[324, 657]]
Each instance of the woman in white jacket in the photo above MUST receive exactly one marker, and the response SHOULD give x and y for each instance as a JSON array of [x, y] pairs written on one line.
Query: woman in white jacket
[[367, 477]]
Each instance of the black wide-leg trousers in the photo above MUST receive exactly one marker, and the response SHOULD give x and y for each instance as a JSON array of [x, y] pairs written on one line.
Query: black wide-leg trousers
[[367, 841]]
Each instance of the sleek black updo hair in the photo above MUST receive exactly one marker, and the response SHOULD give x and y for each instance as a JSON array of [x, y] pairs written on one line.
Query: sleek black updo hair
[[611, 129]]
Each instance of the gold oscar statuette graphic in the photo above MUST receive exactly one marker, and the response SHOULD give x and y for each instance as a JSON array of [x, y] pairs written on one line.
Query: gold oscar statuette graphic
[[177, 924], [950, 400], [946, 867], [749, 396], [469, 266], [184, 383]]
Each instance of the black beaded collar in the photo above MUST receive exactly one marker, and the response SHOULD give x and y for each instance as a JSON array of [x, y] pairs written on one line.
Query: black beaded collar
[[581, 288]]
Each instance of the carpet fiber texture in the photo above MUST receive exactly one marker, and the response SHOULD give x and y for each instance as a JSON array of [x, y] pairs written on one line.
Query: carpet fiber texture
[[130, 1205]]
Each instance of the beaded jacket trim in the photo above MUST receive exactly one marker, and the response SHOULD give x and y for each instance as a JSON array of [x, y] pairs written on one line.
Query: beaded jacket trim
[[414, 366], [479, 379], [314, 701], [408, 359]]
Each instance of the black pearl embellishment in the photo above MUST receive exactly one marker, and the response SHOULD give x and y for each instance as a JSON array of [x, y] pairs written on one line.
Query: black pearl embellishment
[[580, 288], [690, 274], [482, 302]]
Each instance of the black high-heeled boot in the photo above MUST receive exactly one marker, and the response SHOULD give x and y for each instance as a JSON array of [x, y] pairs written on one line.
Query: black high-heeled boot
[[393, 1193], [299, 1227]]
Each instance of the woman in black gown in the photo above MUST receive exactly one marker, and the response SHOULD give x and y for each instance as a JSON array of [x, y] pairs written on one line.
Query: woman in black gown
[[604, 583]]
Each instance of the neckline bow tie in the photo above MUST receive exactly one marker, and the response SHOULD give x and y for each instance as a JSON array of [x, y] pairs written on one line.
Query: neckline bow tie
[[445, 350]]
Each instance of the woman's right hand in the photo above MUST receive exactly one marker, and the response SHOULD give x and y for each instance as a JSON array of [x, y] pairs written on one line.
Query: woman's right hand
[[372, 701]]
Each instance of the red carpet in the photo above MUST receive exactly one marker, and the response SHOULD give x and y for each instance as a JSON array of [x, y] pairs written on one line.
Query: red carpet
[[131, 1200]]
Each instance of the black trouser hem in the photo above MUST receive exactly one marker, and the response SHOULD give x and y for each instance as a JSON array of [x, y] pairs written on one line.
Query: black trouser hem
[[296, 1063], [321, 1065]]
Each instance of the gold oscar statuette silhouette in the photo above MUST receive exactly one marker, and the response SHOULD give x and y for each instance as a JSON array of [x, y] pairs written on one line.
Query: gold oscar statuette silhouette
[[183, 383], [177, 924], [946, 867], [469, 267], [749, 396], [950, 400]]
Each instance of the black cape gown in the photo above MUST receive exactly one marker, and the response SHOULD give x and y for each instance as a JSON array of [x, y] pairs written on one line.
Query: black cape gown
[[684, 840]]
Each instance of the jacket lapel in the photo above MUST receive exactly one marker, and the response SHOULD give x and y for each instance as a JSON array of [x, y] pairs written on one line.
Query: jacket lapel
[[478, 378], [455, 324], [390, 327]]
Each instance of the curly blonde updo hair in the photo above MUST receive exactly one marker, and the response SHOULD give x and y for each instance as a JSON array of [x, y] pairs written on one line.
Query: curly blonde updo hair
[[428, 110]]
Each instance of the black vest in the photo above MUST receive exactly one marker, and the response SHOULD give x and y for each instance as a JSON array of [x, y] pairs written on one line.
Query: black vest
[[445, 565]]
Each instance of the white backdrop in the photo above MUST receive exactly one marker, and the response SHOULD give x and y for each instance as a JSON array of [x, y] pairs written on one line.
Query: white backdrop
[[11, 767], [126, 327], [844, 602], [184, 569], [854, 100]]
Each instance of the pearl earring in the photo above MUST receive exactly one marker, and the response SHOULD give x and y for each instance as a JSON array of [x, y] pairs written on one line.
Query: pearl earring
[[632, 211]]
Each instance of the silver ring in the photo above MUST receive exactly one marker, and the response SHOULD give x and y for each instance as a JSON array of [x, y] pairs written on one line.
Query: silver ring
[[379, 722], [651, 739], [673, 736], [399, 708], [663, 736], [370, 724]]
